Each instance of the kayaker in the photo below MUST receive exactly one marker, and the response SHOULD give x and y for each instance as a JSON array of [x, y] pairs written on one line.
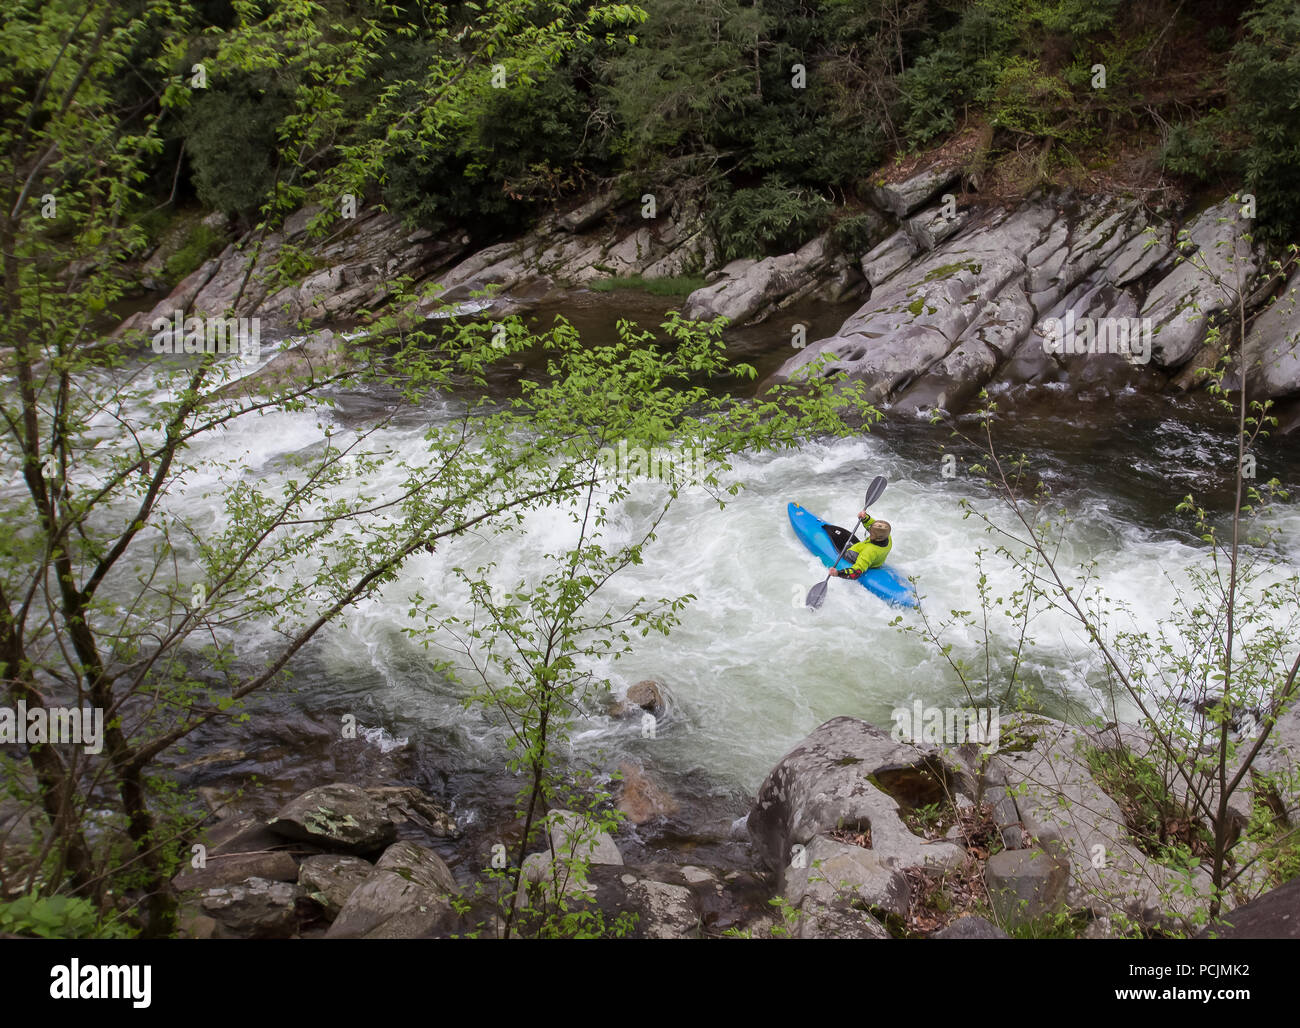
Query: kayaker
[[871, 552]]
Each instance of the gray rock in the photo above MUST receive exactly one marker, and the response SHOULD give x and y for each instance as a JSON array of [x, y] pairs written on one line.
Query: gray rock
[[930, 228], [253, 909], [572, 842], [407, 896], [837, 872], [231, 868], [1220, 261], [341, 816], [1272, 350], [1024, 884], [318, 355], [746, 290], [837, 922], [330, 879], [571, 835], [971, 927], [663, 911], [825, 782], [1073, 819], [587, 214], [1275, 915], [670, 901], [414, 806], [887, 257], [1275, 772], [902, 198]]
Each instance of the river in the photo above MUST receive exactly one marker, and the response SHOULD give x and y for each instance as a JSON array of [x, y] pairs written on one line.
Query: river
[[751, 670]]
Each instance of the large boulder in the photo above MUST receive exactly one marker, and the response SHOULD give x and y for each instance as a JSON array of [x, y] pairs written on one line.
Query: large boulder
[[338, 817], [835, 779], [407, 896], [962, 290], [747, 289]]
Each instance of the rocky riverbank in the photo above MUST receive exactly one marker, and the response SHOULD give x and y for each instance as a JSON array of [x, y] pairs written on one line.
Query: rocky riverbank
[[852, 835], [1086, 295]]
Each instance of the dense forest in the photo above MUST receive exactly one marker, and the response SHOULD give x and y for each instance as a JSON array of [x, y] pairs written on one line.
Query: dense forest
[[774, 114]]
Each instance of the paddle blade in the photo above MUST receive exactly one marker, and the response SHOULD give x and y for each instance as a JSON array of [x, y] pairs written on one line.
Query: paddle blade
[[874, 490], [817, 594]]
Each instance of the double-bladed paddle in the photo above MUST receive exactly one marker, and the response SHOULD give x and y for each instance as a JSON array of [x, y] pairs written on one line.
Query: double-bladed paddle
[[818, 592]]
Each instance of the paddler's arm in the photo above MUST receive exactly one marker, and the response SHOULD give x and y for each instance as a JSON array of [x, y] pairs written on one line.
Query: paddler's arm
[[853, 572]]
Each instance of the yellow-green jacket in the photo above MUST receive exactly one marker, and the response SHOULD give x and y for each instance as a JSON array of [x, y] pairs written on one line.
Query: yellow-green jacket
[[867, 554]]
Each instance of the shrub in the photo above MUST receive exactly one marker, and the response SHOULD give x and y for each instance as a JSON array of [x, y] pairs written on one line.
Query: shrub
[[230, 138], [768, 219]]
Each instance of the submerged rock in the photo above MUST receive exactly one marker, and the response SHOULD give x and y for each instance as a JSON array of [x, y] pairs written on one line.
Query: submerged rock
[[640, 797]]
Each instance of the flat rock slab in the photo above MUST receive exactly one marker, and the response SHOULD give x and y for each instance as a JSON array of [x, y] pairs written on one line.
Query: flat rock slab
[[231, 868]]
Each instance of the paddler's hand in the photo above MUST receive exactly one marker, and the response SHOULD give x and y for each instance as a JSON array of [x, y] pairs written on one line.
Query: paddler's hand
[[862, 515], [830, 572]]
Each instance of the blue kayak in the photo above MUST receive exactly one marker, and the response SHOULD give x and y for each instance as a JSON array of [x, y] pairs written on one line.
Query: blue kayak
[[886, 581]]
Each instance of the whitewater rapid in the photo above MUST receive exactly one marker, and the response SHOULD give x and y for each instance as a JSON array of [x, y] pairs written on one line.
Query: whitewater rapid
[[751, 670]]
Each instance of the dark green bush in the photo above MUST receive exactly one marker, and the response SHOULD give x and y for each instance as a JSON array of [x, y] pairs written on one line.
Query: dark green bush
[[230, 138], [769, 219], [1265, 77]]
